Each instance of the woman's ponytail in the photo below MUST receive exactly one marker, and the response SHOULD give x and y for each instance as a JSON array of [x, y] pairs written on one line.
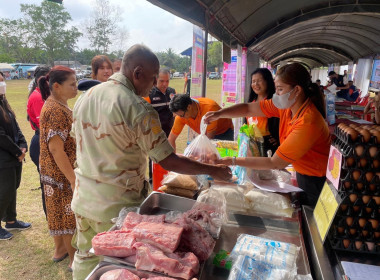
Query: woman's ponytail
[[43, 84], [316, 96]]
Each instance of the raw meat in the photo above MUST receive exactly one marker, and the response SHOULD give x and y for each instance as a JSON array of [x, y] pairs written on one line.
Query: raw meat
[[150, 258], [195, 239], [116, 243], [133, 219], [164, 236], [119, 274], [158, 278]]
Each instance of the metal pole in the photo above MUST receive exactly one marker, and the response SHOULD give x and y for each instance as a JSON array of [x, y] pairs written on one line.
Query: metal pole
[[204, 63]]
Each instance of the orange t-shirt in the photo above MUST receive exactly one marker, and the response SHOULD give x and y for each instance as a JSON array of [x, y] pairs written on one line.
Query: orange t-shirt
[[304, 138], [204, 105], [261, 123]]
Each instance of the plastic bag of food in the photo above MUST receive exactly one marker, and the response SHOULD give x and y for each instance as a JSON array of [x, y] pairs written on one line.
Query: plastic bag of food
[[173, 179], [235, 200], [281, 255], [269, 203], [210, 211], [177, 191], [246, 268], [201, 148]]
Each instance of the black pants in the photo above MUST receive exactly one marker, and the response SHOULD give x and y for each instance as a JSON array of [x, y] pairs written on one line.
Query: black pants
[[34, 151], [9, 182], [312, 186]]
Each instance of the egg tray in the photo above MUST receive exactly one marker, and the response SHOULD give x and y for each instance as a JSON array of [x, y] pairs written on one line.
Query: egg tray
[[360, 185], [350, 150], [355, 246], [360, 200], [343, 138], [364, 162], [360, 224]]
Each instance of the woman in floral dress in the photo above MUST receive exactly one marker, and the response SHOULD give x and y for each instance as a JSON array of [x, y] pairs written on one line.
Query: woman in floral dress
[[57, 157]]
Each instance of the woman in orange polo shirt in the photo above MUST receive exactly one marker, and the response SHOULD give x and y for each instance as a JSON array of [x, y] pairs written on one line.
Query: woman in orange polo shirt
[[262, 88], [304, 135]]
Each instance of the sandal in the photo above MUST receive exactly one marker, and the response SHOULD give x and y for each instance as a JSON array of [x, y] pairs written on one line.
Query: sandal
[[61, 258]]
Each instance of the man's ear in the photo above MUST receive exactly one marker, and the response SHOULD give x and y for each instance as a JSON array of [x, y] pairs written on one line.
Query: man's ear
[[137, 72]]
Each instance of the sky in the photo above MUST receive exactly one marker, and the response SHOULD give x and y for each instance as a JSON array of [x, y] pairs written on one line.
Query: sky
[[145, 22]]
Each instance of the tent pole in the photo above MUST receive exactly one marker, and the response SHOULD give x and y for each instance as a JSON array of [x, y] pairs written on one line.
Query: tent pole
[[204, 63]]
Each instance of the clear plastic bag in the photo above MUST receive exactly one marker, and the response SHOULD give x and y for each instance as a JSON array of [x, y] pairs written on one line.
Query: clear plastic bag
[[269, 203], [210, 212], [281, 255], [201, 148], [122, 214], [246, 268]]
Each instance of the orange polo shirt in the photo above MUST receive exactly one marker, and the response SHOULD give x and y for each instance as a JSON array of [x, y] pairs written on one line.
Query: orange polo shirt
[[304, 137], [204, 105], [261, 123]]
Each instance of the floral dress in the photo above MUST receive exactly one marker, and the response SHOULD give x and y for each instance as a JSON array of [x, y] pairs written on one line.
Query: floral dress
[[56, 119]]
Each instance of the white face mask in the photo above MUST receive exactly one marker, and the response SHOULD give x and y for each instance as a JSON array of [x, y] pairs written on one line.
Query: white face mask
[[3, 88], [282, 101]]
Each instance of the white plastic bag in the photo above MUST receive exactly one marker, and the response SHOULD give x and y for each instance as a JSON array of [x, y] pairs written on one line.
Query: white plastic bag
[[281, 255], [246, 268], [201, 148], [269, 203]]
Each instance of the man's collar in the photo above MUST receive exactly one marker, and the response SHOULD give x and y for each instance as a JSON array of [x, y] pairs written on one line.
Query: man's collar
[[119, 77]]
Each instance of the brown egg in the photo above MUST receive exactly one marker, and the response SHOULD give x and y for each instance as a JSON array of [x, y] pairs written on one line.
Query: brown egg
[[372, 151], [346, 243], [343, 207], [372, 187], [376, 133], [366, 135], [347, 184], [359, 150], [376, 163], [340, 229], [370, 245], [362, 222], [374, 223], [364, 233], [363, 162], [352, 133], [356, 175], [377, 199], [358, 245], [349, 221], [366, 198], [350, 161], [369, 176], [368, 209], [359, 186], [367, 126], [378, 128], [353, 197], [353, 125], [352, 231], [356, 208], [377, 234]]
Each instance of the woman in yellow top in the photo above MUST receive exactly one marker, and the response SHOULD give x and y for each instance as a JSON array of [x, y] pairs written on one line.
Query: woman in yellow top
[[262, 88], [304, 135]]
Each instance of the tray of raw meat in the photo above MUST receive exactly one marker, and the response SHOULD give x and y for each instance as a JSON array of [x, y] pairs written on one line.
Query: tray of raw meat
[[169, 235]]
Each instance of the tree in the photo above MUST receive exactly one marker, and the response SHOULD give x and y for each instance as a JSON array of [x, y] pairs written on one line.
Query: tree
[[46, 26], [103, 30], [214, 58]]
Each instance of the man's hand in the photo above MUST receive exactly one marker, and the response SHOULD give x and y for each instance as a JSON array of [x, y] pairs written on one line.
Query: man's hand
[[221, 172], [22, 156], [211, 116]]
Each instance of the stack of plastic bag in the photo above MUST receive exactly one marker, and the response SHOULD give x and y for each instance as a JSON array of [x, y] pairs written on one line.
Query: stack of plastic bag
[[260, 258]]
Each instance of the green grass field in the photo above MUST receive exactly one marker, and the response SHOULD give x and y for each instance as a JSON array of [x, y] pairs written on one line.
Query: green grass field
[[28, 254]]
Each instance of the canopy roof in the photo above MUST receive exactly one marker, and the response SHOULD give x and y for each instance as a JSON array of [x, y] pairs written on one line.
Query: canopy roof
[[310, 31]]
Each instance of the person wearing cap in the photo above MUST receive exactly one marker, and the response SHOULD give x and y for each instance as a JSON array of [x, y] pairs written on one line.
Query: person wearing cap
[[13, 147], [33, 109], [304, 135], [115, 131]]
